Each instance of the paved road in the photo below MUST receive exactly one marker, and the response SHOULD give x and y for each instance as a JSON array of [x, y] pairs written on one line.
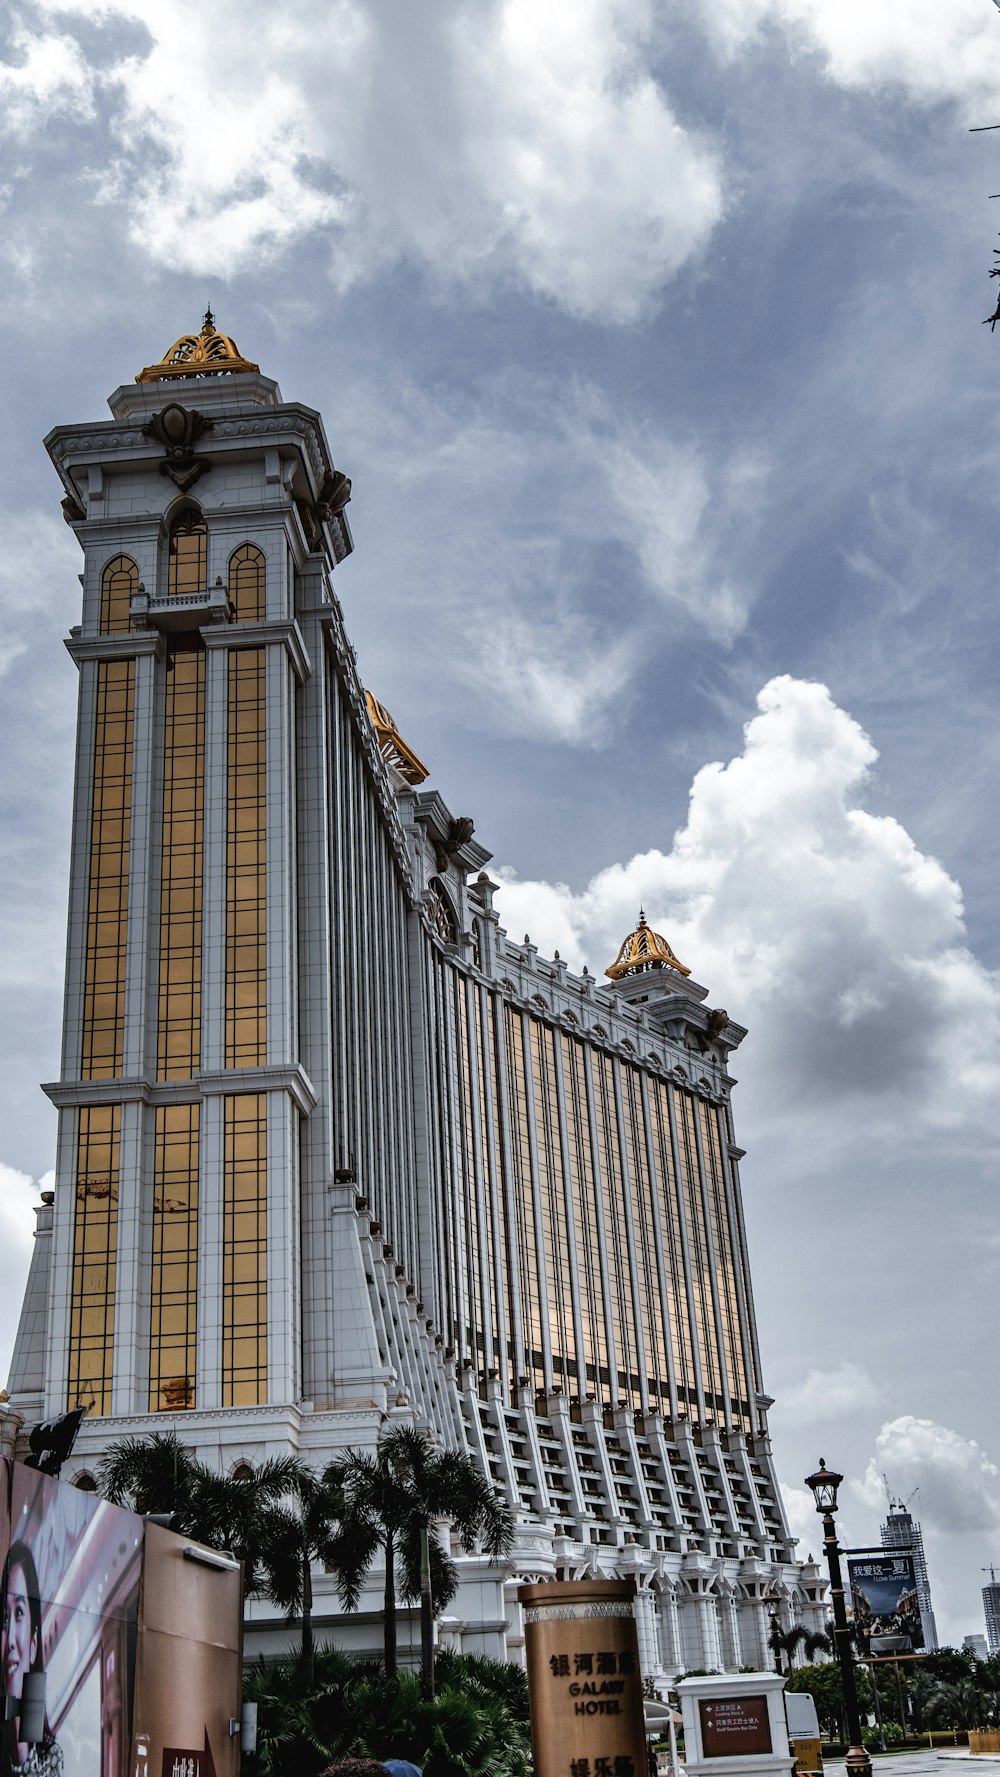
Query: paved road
[[944, 1761]]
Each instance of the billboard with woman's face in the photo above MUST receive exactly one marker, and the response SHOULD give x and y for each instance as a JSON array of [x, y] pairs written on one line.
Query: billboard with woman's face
[[121, 1643], [71, 1602]]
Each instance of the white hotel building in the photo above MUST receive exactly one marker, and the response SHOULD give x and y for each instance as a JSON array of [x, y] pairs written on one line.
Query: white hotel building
[[334, 1151]]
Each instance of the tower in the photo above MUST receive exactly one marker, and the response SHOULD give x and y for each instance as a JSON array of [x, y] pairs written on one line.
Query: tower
[[334, 1151], [902, 1531], [991, 1610]]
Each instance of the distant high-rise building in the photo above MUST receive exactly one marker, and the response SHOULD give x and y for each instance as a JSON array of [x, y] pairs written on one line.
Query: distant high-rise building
[[975, 1645], [901, 1530], [991, 1610]]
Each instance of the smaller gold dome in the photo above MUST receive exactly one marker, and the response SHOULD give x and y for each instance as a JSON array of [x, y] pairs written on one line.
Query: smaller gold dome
[[642, 950], [199, 354], [391, 744]]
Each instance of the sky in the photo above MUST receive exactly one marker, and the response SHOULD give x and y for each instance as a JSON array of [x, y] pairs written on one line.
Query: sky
[[651, 337]]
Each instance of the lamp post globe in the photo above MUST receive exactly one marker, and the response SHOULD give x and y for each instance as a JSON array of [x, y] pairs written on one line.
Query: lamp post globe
[[824, 1485]]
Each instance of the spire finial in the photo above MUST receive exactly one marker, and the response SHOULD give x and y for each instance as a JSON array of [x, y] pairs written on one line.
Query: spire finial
[[644, 949], [207, 353]]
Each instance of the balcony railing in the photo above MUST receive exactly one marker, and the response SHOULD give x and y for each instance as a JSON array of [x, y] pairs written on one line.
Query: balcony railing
[[182, 610]]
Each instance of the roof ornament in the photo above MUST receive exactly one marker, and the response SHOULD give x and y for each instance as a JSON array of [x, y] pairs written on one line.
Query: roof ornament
[[642, 951], [393, 748], [207, 353]]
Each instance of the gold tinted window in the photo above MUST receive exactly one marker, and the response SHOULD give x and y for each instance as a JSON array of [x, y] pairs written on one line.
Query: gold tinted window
[[95, 1236], [179, 1033], [244, 1253], [187, 555], [174, 1258], [441, 912], [246, 584], [119, 581], [246, 862], [103, 1023]]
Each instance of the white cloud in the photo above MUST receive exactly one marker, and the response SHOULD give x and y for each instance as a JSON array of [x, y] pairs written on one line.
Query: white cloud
[[933, 51], [959, 1486], [819, 924], [504, 140], [570, 533], [47, 75], [827, 1394], [551, 679], [674, 511], [800, 1511]]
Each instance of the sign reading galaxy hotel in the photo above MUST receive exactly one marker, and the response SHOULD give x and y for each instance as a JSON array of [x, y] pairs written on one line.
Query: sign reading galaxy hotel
[[122, 1654], [886, 1605]]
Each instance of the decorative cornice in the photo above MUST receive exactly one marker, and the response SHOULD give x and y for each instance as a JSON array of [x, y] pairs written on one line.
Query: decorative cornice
[[120, 647], [260, 635], [65, 1094]]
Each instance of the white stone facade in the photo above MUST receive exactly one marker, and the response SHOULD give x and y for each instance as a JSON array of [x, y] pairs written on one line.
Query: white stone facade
[[501, 1200]]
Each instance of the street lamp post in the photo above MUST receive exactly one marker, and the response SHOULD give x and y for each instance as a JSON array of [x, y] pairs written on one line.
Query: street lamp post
[[774, 1630], [824, 1484]]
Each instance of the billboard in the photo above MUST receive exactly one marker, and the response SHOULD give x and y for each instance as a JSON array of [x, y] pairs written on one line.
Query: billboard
[[71, 1576], [886, 1605], [121, 1642]]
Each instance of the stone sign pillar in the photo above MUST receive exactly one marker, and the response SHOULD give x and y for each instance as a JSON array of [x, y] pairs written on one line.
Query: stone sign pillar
[[584, 1682], [734, 1725]]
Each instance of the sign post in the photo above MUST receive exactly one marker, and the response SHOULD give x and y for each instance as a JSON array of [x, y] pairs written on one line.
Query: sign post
[[584, 1683], [734, 1725]]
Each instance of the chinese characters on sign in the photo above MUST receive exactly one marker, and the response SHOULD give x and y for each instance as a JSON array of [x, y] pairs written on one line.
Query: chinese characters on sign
[[621, 1766], [886, 1605], [600, 1691], [181, 1764], [734, 1726]]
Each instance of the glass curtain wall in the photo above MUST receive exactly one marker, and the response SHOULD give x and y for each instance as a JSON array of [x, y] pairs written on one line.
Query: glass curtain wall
[[564, 1216]]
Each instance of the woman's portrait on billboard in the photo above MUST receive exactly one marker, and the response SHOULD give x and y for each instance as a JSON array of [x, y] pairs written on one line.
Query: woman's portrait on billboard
[[21, 1645]]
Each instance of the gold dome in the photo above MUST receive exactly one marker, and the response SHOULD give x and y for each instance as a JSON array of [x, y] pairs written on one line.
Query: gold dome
[[199, 354], [391, 744], [644, 949]]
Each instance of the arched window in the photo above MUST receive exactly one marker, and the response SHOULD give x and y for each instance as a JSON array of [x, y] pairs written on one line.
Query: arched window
[[246, 583], [119, 581], [85, 1483], [440, 909], [187, 554]]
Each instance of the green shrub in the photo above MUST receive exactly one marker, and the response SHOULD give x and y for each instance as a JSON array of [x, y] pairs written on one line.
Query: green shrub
[[893, 1736], [476, 1726]]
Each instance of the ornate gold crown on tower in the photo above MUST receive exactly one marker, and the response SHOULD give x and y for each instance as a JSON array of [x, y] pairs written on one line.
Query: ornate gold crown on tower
[[199, 354], [644, 949]]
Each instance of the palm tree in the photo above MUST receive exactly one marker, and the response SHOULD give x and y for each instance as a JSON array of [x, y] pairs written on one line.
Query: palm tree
[[156, 1474], [306, 1525], [276, 1517], [392, 1500]]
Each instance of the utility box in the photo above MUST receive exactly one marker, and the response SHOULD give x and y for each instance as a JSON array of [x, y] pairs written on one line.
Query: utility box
[[734, 1725]]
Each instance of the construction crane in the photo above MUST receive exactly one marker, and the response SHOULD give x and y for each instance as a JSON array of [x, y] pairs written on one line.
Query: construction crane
[[900, 1505]]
